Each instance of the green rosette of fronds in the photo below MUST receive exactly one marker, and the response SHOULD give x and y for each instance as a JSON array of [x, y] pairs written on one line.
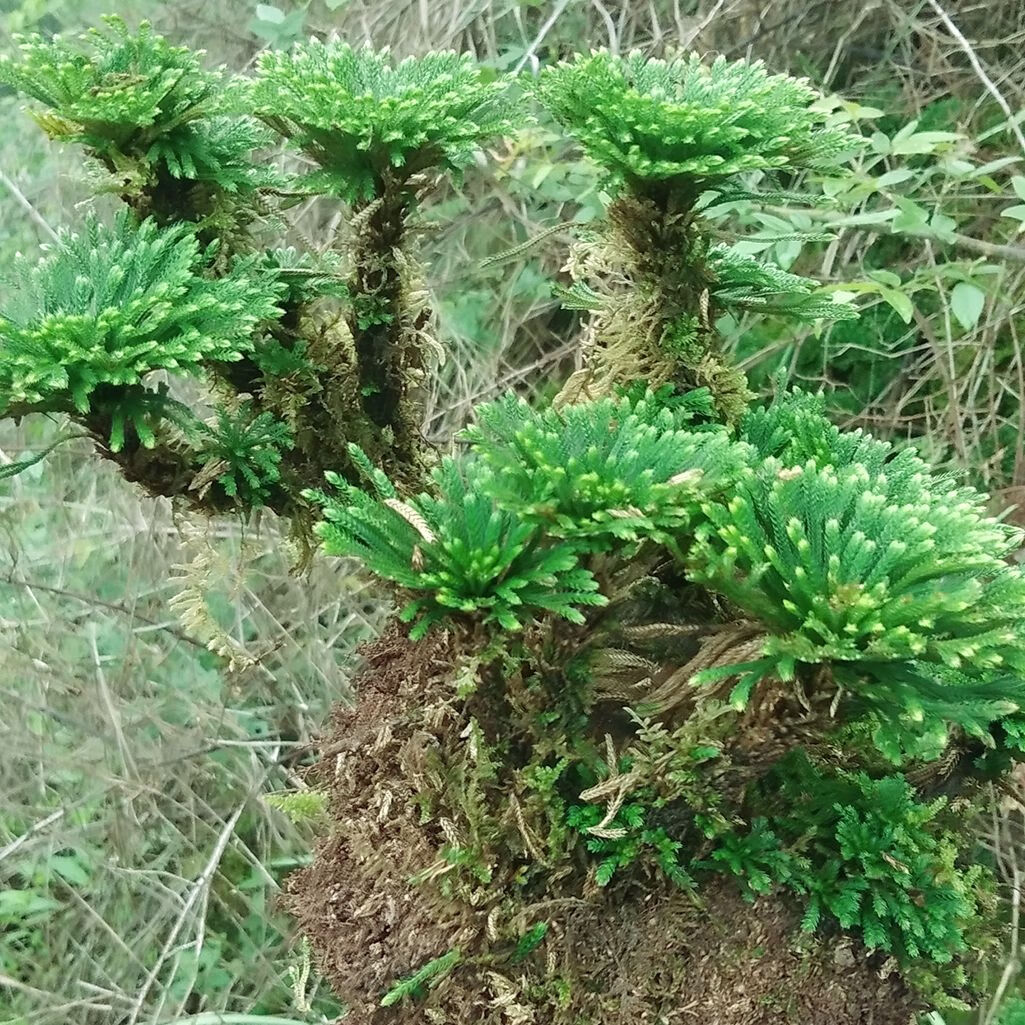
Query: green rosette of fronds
[[138, 103], [362, 117], [109, 305], [856, 556], [613, 469], [454, 550], [647, 120]]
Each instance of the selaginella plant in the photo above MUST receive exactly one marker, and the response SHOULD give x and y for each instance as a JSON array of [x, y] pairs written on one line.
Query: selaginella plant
[[302, 353], [689, 702]]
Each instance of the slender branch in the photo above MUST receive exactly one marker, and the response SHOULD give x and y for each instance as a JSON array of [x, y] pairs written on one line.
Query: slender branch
[[87, 599], [995, 250], [23, 201], [20, 841], [980, 71], [196, 893], [531, 54]]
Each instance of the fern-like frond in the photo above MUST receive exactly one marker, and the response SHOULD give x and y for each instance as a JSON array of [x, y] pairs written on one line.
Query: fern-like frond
[[858, 557], [454, 549], [361, 116], [217, 150], [876, 859], [242, 450], [611, 469], [108, 305], [744, 283], [307, 275], [648, 120], [109, 84]]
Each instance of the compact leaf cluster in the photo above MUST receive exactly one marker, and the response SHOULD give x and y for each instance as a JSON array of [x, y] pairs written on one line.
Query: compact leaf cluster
[[856, 555], [505, 530], [455, 549], [150, 112], [608, 470], [845, 552], [865, 852], [656, 638], [742, 283], [684, 120], [365, 120]]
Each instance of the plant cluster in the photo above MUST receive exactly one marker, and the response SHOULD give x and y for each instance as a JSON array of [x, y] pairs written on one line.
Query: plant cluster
[[677, 137], [866, 852], [771, 620], [857, 556], [455, 549], [805, 609], [660, 637], [604, 470], [324, 348]]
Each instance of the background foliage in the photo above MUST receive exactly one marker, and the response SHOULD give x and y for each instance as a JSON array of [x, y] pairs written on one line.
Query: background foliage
[[125, 899]]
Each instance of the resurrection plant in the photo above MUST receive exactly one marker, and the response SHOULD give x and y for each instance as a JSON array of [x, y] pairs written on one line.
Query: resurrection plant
[[690, 702], [318, 349]]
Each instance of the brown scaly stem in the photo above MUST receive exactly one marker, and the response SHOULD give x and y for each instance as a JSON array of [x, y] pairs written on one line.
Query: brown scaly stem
[[386, 326], [658, 327]]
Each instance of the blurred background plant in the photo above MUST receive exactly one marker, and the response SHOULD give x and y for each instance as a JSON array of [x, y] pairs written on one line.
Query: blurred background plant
[[161, 676]]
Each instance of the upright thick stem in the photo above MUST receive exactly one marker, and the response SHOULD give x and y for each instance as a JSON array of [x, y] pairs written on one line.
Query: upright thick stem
[[386, 324], [659, 328]]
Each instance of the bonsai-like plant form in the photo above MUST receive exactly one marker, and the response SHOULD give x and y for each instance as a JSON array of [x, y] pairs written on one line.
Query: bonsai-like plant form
[[673, 137], [688, 701], [152, 116], [305, 352], [377, 132]]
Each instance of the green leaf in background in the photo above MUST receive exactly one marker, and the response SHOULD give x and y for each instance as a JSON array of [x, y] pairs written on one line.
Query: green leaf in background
[[870, 217], [922, 142], [942, 226], [1016, 212], [279, 28], [22, 906], [912, 217], [966, 303], [269, 14], [900, 302], [885, 277], [70, 868], [895, 177]]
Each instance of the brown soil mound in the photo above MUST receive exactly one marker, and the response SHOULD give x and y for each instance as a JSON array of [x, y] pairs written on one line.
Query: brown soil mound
[[375, 906], [729, 963]]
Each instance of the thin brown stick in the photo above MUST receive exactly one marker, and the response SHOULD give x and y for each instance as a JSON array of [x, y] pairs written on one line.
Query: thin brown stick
[[980, 71]]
